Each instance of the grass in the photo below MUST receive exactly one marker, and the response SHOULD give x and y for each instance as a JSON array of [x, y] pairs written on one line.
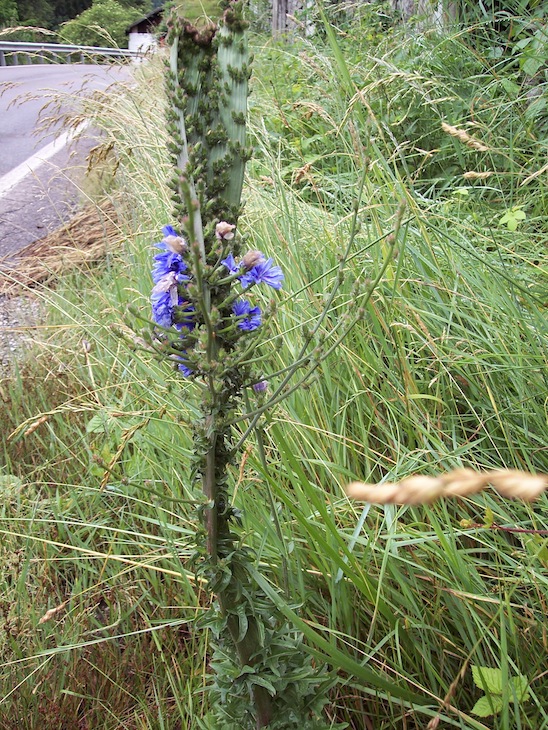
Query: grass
[[446, 367]]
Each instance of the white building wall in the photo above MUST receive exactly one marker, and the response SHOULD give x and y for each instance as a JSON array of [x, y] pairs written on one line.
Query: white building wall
[[141, 42]]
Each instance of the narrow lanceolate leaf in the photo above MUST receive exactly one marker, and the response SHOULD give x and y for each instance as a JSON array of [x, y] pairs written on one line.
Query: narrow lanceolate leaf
[[327, 652]]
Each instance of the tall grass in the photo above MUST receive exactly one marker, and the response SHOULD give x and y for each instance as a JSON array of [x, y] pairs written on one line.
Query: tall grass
[[447, 367]]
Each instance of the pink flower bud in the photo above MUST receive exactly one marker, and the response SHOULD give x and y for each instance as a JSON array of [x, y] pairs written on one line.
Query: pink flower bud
[[252, 258], [224, 231], [175, 244]]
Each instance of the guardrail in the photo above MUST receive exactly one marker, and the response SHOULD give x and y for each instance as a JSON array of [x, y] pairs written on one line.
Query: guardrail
[[12, 52]]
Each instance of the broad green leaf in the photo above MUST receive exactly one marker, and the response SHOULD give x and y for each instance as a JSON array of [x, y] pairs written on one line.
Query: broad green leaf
[[521, 685], [530, 65], [487, 706], [488, 679], [10, 485], [512, 217], [98, 423]]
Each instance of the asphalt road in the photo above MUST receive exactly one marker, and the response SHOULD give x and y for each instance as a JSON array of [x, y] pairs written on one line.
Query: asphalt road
[[40, 184]]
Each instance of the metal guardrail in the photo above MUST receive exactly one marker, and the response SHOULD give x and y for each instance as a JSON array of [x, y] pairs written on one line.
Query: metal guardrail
[[12, 52]]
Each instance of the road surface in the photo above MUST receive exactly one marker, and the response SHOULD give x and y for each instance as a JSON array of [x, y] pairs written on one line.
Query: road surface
[[40, 170]]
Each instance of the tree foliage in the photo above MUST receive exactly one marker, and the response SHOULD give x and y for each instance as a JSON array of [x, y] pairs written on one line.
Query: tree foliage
[[51, 14], [8, 12], [103, 24]]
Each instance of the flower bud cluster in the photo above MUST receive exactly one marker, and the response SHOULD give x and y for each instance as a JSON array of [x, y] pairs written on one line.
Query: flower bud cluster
[[176, 293]]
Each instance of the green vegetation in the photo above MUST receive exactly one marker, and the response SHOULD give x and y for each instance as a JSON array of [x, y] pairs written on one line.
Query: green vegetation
[[422, 611], [78, 21], [8, 12], [199, 10], [103, 24]]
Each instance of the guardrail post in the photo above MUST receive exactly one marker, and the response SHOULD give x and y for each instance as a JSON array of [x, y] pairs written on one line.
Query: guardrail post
[[2, 58]]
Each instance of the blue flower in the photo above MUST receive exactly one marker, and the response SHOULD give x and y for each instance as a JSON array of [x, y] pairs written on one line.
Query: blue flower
[[250, 316], [162, 309], [183, 316], [170, 260], [167, 262], [169, 307], [263, 273], [186, 371], [231, 264]]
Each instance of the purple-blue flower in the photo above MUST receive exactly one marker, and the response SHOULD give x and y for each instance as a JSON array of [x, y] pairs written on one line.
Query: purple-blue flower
[[251, 316], [183, 316], [263, 273], [162, 309], [261, 386], [231, 264], [169, 260], [186, 371], [169, 308]]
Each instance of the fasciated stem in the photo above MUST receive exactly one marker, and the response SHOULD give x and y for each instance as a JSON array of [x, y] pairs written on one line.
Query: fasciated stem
[[246, 648], [211, 512]]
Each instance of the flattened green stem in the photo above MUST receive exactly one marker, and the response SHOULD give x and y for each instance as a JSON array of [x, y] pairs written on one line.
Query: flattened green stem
[[246, 648], [211, 512], [182, 159], [232, 58]]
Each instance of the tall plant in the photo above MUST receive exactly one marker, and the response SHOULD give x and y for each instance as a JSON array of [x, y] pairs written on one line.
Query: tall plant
[[208, 322]]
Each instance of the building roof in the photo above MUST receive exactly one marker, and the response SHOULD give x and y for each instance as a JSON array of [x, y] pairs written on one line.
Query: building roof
[[147, 23]]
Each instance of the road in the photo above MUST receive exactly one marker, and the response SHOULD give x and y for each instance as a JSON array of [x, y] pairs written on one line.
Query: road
[[40, 177]]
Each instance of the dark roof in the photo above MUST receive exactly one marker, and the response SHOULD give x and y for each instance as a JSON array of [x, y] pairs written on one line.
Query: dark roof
[[147, 22]]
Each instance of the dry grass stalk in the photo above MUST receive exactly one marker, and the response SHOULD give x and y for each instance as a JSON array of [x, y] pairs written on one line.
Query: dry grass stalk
[[52, 612], [472, 175], [83, 240], [457, 483], [464, 137]]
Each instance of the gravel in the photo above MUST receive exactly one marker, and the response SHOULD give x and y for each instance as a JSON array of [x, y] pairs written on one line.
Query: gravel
[[19, 317]]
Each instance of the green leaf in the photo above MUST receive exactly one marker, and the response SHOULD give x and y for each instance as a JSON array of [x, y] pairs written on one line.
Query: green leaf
[[512, 217], [98, 423], [521, 686], [488, 679], [523, 43], [324, 650], [487, 706], [536, 108], [262, 682], [489, 517], [510, 87], [10, 485], [531, 65], [539, 547]]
